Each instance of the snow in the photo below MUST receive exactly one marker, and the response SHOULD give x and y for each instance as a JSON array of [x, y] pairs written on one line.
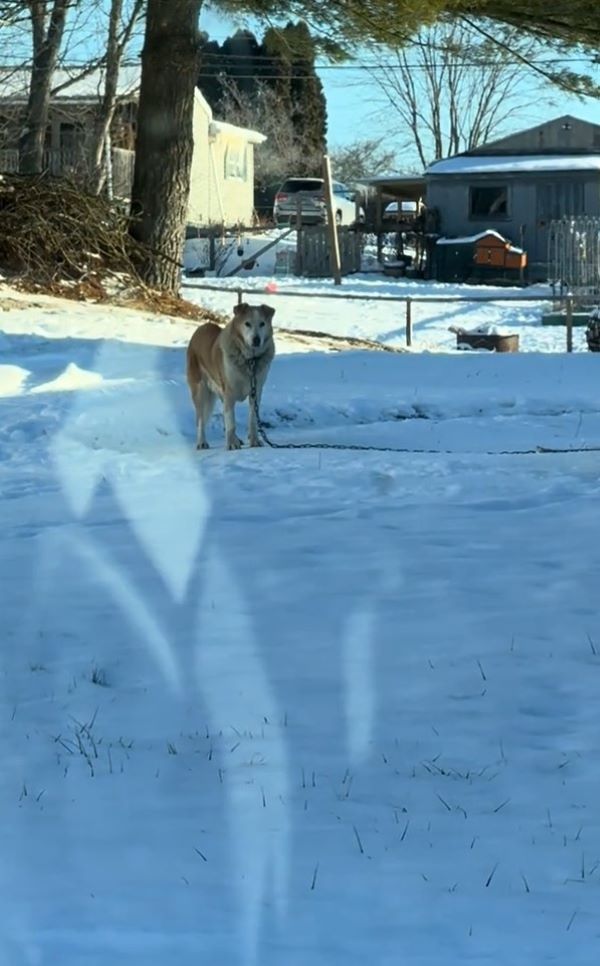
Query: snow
[[470, 239], [385, 178], [482, 164], [435, 306], [221, 127], [297, 706]]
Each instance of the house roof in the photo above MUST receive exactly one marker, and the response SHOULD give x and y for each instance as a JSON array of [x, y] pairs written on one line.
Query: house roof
[[484, 164], [471, 239], [221, 127], [14, 89], [14, 84], [411, 186], [564, 121]]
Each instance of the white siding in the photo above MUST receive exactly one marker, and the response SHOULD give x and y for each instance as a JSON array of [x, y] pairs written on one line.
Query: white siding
[[199, 199], [222, 177]]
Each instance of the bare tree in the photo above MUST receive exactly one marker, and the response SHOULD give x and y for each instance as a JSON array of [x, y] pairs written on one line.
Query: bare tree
[[119, 35], [450, 90], [52, 34], [164, 146], [362, 158], [47, 24]]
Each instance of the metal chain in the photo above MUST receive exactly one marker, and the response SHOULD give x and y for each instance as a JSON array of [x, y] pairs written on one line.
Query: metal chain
[[364, 448]]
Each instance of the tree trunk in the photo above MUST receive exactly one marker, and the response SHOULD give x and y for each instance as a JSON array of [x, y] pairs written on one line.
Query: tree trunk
[[46, 47], [164, 143]]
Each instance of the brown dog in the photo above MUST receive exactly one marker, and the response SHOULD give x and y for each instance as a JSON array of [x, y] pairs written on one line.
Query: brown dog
[[218, 364]]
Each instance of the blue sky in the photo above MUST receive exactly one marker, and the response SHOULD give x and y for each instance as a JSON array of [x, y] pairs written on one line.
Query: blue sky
[[352, 97]]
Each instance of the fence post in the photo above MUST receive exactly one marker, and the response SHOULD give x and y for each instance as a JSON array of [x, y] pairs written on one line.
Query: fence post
[[299, 266], [409, 321], [240, 293], [569, 301], [334, 242]]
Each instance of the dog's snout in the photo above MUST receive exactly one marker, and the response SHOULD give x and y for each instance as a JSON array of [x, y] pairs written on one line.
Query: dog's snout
[[256, 341]]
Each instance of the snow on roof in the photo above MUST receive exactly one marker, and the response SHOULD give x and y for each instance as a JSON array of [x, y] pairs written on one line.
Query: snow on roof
[[221, 127], [466, 239], [14, 87], [463, 164], [14, 84], [470, 239], [385, 178]]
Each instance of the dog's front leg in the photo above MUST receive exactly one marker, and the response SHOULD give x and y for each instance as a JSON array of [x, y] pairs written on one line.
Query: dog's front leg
[[231, 440], [253, 437]]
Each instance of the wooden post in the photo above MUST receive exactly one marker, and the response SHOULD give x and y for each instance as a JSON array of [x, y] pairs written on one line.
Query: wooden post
[[522, 244], [569, 302], [379, 223], [240, 293], [409, 321], [299, 259], [334, 245]]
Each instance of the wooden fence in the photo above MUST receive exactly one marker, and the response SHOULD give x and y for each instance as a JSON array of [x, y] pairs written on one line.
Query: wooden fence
[[313, 251], [73, 164]]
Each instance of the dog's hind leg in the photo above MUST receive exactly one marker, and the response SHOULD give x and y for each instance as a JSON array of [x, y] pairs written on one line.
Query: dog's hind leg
[[204, 401]]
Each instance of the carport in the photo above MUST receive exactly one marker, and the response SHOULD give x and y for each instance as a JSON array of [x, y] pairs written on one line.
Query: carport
[[396, 187]]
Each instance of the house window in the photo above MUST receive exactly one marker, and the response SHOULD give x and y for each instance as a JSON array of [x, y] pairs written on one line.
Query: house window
[[235, 161], [559, 199], [488, 201]]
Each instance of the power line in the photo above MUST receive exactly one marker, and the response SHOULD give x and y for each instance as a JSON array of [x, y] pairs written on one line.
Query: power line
[[299, 70], [363, 65]]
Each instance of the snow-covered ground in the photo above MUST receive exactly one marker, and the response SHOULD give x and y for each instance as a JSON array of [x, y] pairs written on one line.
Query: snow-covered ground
[[296, 707], [442, 306], [435, 305]]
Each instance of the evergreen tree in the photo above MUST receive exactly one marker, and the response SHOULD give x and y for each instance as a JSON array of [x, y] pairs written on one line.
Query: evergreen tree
[[295, 50], [283, 64]]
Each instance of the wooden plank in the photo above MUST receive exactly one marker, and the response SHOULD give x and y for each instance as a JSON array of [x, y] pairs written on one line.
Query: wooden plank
[[316, 255], [334, 248], [569, 323]]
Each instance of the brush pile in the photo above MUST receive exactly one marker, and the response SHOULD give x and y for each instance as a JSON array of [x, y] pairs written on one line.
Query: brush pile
[[50, 232], [57, 240]]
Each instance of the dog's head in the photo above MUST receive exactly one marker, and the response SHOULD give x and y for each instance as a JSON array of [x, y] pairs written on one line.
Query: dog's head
[[254, 326]]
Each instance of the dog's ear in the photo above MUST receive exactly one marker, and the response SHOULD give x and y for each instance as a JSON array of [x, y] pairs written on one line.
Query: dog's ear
[[240, 309], [268, 311]]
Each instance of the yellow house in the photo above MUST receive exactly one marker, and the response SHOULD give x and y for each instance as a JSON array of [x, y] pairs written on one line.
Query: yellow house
[[222, 177]]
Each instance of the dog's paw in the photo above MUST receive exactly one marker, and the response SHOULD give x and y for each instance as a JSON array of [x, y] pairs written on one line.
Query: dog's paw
[[254, 441], [202, 446], [234, 443]]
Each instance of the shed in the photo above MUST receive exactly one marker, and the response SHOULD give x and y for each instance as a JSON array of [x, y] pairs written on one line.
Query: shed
[[518, 185]]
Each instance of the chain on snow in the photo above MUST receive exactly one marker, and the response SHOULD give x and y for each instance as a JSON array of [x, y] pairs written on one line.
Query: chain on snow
[[364, 448]]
